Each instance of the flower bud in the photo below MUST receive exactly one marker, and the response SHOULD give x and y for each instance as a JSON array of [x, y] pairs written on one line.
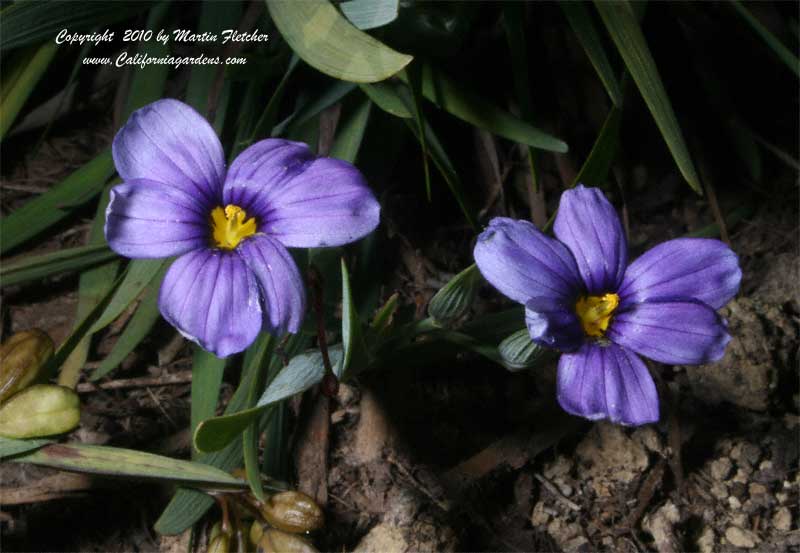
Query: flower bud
[[256, 532], [41, 410], [220, 543], [292, 512], [275, 541], [215, 531], [21, 358]]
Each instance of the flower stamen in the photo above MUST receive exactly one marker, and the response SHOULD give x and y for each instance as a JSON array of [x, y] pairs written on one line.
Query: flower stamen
[[594, 313], [230, 226]]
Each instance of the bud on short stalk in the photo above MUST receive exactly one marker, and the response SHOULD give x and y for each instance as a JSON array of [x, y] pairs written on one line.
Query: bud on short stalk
[[21, 359], [292, 512], [41, 410]]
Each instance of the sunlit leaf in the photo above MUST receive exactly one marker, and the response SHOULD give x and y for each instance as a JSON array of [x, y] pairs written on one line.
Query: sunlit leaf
[[325, 40], [369, 14]]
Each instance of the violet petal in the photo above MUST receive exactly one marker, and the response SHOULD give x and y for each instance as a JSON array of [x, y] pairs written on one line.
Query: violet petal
[[598, 382], [302, 201], [147, 219], [673, 332], [169, 142], [282, 292], [522, 263], [588, 224], [698, 268], [212, 298], [552, 323]]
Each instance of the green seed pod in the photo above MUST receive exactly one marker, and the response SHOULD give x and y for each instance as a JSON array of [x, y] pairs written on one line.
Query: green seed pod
[[275, 541], [41, 410], [21, 358], [292, 512], [219, 544], [256, 532]]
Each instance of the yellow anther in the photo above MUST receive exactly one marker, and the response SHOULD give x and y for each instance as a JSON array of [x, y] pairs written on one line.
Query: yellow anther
[[229, 227], [595, 313]]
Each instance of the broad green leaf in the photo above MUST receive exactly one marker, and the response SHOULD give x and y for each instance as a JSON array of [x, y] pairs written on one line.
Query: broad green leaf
[[621, 23], [519, 352], [50, 264], [128, 463], [456, 99], [369, 14], [351, 133], [456, 297], [55, 204], [302, 372], [135, 331], [15, 96], [784, 54], [9, 447], [92, 287], [580, 19], [207, 371], [28, 22], [325, 40], [353, 347], [140, 273]]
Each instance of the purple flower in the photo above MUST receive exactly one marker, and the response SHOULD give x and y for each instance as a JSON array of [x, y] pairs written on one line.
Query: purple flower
[[229, 227], [582, 298]]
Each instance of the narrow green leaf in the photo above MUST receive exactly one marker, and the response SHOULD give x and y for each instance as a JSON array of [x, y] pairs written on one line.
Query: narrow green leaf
[[621, 23], [383, 318], [92, 287], [456, 297], [353, 346], [128, 463], [325, 40], [135, 331], [14, 97], [147, 84], [50, 264], [351, 133], [580, 19], [388, 96], [79, 332], [207, 371], [9, 446], [55, 204], [268, 117], [370, 14], [458, 101], [258, 365], [140, 273], [312, 107], [519, 352], [302, 372], [594, 171], [784, 54]]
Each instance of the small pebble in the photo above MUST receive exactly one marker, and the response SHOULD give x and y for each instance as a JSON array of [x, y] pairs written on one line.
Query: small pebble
[[782, 519], [719, 490], [721, 469], [705, 543], [734, 503], [756, 489], [739, 537]]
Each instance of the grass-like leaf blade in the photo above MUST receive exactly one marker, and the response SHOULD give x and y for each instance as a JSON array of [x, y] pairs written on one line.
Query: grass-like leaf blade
[[49, 264], [621, 23]]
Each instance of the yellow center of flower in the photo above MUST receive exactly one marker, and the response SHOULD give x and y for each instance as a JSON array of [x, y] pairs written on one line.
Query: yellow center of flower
[[229, 227], [595, 313]]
